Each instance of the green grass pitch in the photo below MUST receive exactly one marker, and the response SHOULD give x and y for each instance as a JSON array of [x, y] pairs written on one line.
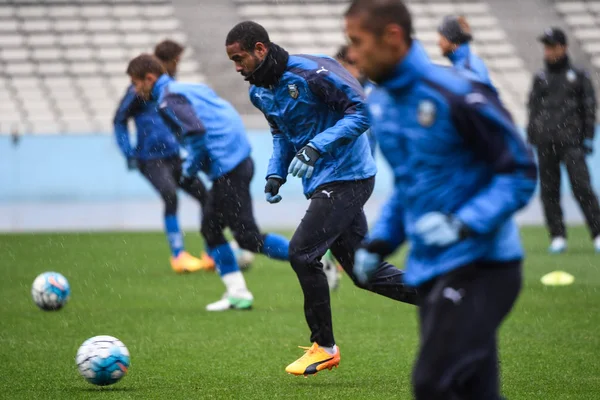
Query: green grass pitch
[[123, 286]]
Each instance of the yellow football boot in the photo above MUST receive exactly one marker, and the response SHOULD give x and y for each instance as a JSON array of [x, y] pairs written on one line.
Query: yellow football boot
[[209, 263], [185, 262], [314, 360]]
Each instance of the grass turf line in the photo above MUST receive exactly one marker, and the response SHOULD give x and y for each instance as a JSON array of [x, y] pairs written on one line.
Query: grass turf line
[[122, 286]]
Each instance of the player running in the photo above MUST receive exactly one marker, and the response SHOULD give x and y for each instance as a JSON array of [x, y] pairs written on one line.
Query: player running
[[454, 38], [461, 171], [212, 132], [317, 116], [156, 156]]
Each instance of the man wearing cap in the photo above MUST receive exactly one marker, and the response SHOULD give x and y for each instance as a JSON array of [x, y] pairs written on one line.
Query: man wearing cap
[[455, 35], [562, 119]]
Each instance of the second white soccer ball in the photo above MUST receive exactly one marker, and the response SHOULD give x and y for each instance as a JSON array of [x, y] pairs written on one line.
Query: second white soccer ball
[[50, 291], [244, 257]]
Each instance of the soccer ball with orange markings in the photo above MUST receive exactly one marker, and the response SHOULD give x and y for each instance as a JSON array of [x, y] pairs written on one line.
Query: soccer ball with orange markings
[[102, 360], [50, 291]]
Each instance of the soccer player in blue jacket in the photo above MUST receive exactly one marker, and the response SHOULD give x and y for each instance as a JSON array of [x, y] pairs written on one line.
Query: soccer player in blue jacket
[[213, 134], [455, 36], [156, 156], [461, 171], [317, 116]]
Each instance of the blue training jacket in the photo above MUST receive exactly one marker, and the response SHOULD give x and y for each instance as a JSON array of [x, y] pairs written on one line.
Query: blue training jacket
[[463, 59], [154, 138], [317, 102], [209, 128], [453, 149]]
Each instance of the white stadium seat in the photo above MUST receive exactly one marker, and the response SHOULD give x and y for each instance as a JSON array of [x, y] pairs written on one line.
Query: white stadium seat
[[14, 54], [94, 11], [52, 68], [31, 11], [571, 7]]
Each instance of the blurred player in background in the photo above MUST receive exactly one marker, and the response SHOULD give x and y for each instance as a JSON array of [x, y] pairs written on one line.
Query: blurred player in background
[[461, 171], [562, 124], [317, 116], [156, 156], [454, 38], [213, 134]]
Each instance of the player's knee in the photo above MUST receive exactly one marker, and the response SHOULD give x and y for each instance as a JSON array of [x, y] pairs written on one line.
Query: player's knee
[[171, 202], [299, 260], [251, 240]]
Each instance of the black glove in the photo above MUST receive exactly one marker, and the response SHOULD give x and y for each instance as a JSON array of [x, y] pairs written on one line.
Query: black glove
[[272, 189], [186, 181], [132, 164]]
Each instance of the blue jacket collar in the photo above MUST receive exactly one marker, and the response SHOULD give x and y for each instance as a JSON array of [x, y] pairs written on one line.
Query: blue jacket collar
[[159, 85], [461, 53], [410, 69]]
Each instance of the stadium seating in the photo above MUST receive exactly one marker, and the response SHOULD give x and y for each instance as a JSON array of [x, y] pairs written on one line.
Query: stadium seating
[[583, 18], [64, 61], [315, 26]]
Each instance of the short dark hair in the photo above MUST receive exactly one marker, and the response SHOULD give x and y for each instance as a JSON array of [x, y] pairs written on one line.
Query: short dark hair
[[168, 50], [381, 13], [145, 64], [247, 34]]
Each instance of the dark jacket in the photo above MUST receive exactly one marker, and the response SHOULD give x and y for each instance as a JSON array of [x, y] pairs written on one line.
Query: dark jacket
[[562, 106]]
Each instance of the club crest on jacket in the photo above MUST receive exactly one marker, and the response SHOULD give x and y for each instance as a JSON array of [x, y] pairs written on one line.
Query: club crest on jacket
[[293, 90], [426, 113]]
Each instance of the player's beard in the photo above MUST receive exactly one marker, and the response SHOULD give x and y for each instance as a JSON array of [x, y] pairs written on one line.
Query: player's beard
[[257, 64]]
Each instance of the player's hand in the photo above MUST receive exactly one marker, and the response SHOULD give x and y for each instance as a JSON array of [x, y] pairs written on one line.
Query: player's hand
[[365, 264], [304, 162], [132, 164], [186, 181], [272, 189], [588, 145], [186, 177], [438, 229]]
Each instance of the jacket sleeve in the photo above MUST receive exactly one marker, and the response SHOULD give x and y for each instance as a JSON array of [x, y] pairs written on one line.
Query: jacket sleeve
[[346, 98], [180, 117], [588, 108], [488, 131], [126, 110], [390, 224], [282, 156], [534, 105]]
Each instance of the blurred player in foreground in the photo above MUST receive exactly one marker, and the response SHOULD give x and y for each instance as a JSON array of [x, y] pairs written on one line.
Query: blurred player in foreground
[[213, 134], [345, 58], [461, 171], [156, 156], [317, 116]]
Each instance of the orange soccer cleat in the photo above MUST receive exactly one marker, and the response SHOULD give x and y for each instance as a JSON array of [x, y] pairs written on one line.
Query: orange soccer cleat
[[315, 359], [209, 263], [185, 262]]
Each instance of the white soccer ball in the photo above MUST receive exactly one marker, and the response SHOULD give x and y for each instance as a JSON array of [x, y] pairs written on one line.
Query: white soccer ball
[[102, 360], [244, 257], [50, 291]]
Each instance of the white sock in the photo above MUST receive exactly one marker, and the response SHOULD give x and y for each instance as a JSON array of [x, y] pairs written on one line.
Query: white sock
[[330, 350], [235, 283]]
